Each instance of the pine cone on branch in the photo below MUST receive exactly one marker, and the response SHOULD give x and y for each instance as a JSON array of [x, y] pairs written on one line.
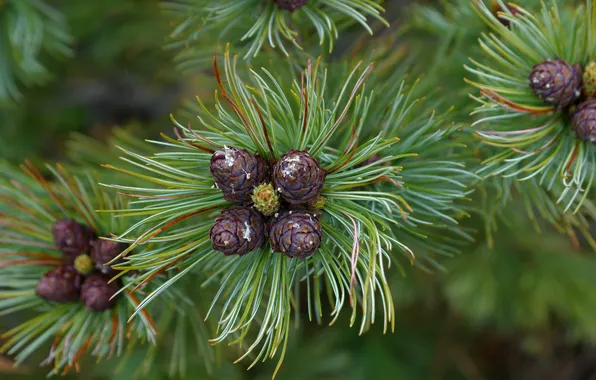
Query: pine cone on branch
[[61, 284], [298, 177], [296, 234], [72, 238], [237, 172], [583, 121], [105, 251], [237, 231], [556, 82], [97, 292]]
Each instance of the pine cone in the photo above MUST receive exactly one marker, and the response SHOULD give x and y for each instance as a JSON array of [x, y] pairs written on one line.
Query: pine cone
[[96, 292], [590, 80], [72, 238], [512, 8], [556, 82], [237, 231], [103, 252], [369, 161], [265, 199], [290, 5], [584, 121], [298, 177], [237, 173], [296, 234], [61, 284]]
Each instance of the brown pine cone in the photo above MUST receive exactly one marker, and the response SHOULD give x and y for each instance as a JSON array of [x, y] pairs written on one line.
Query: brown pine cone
[[237, 231], [583, 121], [96, 293], [72, 238], [61, 284], [556, 82], [512, 8], [103, 252], [296, 234], [298, 177], [237, 172]]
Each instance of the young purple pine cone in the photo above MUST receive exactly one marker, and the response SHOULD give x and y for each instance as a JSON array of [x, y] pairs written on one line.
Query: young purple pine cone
[[237, 231], [97, 291], [369, 161], [103, 252], [61, 284], [290, 5], [237, 173], [298, 177], [72, 238], [584, 121], [296, 234], [511, 8], [556, 82]]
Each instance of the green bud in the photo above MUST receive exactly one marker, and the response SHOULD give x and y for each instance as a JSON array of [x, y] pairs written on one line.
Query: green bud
[[83, 264], [266, 199], [319, 203], [590, 80]]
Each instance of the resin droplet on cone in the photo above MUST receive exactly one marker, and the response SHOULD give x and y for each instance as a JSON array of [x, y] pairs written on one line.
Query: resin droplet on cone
[[72, 238], [237, 231], [556, 82], [298, 177], [290, 5], [61, 284], [237, 172], [583, 121], [96, 293], [296, 234]]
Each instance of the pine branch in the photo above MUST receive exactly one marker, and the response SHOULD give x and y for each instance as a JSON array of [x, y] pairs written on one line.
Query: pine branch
[[254, 25], [363, 221], [31, 29], [257, 289], [30, 206], [534, 140]]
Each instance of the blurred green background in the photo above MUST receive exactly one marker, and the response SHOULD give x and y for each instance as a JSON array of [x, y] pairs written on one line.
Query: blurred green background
[[525, 309]]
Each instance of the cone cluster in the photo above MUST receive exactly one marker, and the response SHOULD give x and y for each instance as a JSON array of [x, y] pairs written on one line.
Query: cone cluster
[[569, 88], [275, 202], [84, 276]]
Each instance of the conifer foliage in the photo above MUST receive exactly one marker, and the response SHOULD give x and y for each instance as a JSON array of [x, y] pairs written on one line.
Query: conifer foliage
[[30, 29], [316, 185], [531, 87], [48, 226]]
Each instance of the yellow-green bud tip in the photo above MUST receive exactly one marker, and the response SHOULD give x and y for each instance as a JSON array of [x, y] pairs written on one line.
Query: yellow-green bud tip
[[265, 199], [83, 264], [590, 80], [319, 203]]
